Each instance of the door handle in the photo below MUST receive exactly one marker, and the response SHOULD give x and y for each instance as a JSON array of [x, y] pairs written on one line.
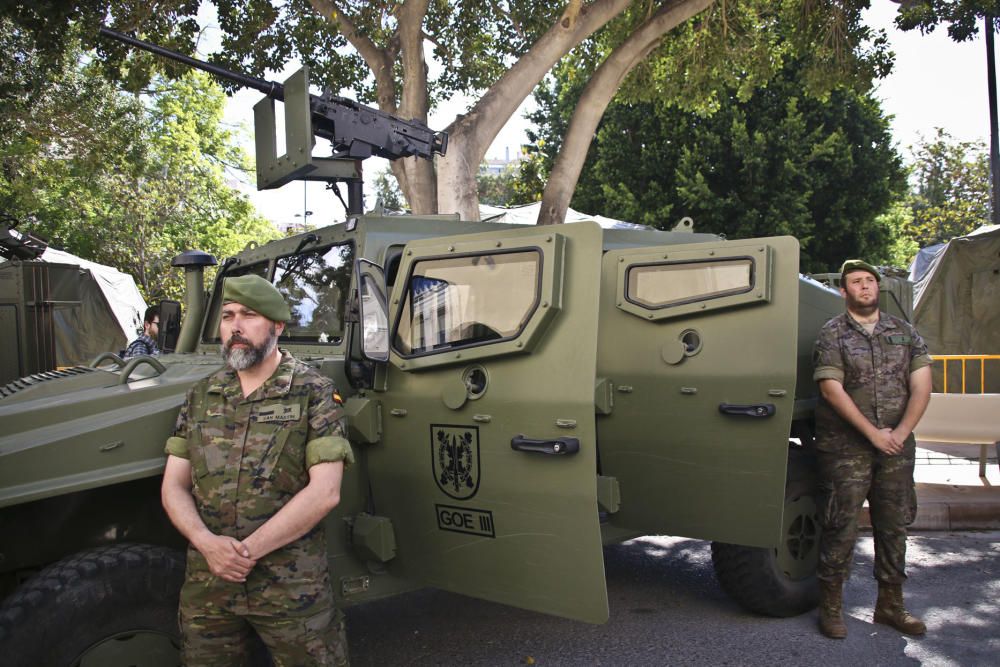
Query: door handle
[[757, 410], [553, 446]]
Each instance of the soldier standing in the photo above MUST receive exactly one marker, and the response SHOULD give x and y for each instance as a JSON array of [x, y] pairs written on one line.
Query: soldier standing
[[874, 377], [254, 465]]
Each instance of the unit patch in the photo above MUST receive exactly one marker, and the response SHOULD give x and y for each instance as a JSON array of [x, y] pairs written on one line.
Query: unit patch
[[465, 520], [455, 459]]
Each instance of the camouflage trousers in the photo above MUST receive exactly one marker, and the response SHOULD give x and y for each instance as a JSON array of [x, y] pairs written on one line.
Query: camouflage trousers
[[214, 637], [848, 478]]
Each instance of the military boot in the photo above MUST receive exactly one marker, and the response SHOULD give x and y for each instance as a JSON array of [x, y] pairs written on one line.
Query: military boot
[[889, 610], [831, 614]]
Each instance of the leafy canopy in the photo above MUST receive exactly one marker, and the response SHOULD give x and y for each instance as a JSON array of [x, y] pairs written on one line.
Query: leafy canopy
[[126, 180], [778, 162]]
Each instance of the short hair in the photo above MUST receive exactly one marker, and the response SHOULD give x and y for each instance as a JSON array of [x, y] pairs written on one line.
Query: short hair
[[151, 313]]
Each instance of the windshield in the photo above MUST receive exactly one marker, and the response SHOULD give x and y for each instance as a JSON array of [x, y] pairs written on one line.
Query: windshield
[[315, 286]]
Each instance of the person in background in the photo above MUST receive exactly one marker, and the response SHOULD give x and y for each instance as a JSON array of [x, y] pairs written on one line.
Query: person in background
[[146, 343]]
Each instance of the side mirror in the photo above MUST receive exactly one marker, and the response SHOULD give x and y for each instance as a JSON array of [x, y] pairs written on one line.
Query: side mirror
[[170, 326], [374, 311]]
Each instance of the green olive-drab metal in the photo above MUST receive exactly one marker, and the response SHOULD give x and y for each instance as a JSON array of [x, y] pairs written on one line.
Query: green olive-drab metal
[[451, 496]]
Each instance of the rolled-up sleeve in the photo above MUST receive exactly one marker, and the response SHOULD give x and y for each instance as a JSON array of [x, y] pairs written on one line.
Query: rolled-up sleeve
[[919, 357], [330, 448], [177, 444], [828, 362], [327, 429]]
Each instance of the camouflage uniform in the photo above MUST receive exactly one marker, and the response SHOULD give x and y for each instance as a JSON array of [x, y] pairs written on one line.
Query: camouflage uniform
[[250, 456], [874, 370]]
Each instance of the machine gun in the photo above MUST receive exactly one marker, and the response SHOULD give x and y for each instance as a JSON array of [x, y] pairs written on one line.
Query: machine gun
[[356, 131], [18, 245]]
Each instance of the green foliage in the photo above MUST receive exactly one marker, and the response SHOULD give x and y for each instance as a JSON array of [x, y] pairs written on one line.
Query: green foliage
[[740, 45], [903, 248], [474, 41], [950, 190], [516, 185], [779, 162], [387, 194], [963, 17], [120, 179]]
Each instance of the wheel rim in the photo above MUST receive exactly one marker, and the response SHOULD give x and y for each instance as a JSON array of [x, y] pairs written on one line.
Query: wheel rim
[[132, 648], [798, 553]]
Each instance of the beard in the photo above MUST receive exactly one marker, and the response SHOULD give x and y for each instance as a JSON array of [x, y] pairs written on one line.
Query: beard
[[861, 307], [244, 358]]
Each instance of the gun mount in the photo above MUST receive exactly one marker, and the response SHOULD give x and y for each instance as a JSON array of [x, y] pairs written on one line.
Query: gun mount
[[355, 131]]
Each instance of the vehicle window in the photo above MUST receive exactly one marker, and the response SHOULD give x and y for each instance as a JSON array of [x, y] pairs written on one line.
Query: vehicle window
[[316, 285], [461, 301], [211, 332], [669, 284]]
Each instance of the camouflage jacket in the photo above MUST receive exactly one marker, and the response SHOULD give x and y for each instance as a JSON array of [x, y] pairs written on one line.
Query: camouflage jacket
[[250, 456], [875, 371]]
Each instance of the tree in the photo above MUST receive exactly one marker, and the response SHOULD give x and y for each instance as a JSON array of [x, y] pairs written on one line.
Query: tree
[[124, 180], [387, 194], [778, 162], [963, 17], [517, 184], [498, 51], [950, 189]]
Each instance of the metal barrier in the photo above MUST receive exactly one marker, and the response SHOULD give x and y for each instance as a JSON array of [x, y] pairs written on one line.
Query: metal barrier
[[951, 411], [981, 358]]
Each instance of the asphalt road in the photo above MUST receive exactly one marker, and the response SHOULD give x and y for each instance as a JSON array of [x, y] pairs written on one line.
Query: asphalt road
[[667, 609]]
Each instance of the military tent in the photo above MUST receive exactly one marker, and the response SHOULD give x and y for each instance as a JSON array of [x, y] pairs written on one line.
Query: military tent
[[957, 303], [61, 310]]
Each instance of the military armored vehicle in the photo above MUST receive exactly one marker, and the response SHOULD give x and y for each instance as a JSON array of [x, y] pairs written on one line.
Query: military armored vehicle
[[518, 397]]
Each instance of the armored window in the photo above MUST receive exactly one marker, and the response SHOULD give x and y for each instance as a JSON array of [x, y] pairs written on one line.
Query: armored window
[[675, 283], [456, 302], [316, 285]]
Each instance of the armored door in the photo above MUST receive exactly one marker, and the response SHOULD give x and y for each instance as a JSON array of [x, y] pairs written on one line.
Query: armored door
[[487, 458], [697, 370]]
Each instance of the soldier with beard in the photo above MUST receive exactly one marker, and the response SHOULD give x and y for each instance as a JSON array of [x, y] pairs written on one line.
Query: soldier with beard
[[875, 381], [255, 463]]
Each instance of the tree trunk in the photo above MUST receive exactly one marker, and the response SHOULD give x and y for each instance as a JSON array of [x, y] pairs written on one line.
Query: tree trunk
[[597, 95], [421, 181], [472, 134]]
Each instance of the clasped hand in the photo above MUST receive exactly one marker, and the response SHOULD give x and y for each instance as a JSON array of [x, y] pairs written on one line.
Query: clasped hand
[[228, 558], [888, 441]]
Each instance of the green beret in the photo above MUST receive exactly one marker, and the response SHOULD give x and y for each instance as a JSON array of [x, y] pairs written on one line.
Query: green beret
[[256, 293], [859, 265]]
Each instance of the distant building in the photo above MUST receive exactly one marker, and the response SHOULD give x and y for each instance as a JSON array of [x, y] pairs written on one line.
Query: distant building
[[495, 167]]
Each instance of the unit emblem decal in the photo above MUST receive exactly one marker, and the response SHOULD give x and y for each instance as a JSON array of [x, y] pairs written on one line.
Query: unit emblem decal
[[455, 459]]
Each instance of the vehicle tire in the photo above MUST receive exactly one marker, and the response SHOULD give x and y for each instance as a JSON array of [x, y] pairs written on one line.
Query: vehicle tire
[[109, 606], [781, 581]]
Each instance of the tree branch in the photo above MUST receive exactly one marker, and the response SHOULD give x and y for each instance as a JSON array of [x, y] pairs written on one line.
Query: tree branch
[[472, 133], [379, 60], [595, 99]]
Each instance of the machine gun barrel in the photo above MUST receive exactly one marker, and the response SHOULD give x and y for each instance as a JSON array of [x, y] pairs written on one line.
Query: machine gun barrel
[[358, 131], [269, 88]]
